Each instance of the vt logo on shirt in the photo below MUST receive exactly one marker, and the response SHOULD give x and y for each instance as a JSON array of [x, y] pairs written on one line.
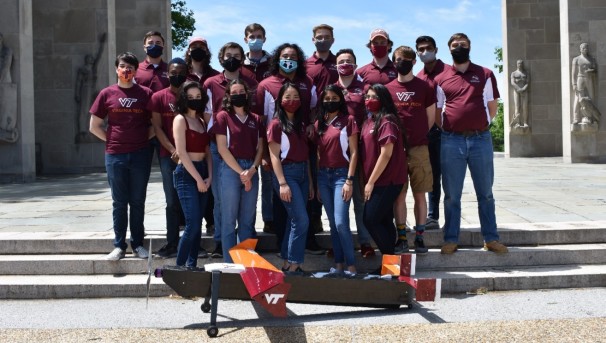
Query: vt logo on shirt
[[172, 107], [127, 102], [404, 96]]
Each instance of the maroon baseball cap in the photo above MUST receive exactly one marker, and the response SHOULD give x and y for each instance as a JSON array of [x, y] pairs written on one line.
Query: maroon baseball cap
[[379, 32], [193, 40]]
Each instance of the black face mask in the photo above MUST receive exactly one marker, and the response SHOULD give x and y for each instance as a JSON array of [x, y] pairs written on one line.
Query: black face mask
[[331, 106], [177, 80], [231, 64], [238, 100], [460, 54], [199, 54], [195, 104], [404, 67]]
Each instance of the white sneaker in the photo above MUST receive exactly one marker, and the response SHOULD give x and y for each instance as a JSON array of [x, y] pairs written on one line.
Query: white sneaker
[[115, 255], [141, 252]]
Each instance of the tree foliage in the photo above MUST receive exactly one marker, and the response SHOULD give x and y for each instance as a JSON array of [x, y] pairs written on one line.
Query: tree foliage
[[183, 24], [497, 128], [498, 53]]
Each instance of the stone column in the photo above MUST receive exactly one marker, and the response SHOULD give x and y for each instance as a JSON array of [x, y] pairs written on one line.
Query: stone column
[[17, 129]]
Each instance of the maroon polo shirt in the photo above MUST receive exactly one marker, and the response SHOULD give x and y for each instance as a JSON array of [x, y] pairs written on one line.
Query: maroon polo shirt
[[128, 119], [293, 147], [242, 137], [396, 171], [466, 96], [261, 69], [371, 73], [322, 72], [412, 99], [354, 97], [165, 103], [200, 79], [267, 93], [215, 89], [333, 144], [154, 78], [438, 68]]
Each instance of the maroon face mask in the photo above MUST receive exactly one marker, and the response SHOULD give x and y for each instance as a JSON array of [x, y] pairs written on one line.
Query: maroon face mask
[[378, 51], [291, 106], [373, 105]]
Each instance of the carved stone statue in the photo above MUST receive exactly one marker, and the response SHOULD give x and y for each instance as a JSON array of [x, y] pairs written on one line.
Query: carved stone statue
[[584, 71], [8, 96], [520, 81], [86, 91]]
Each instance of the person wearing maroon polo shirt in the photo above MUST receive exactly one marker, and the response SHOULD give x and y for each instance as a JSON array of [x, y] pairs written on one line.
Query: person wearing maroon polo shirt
[[127, 152], [471, 102], [163, 106], [380, 69], [383, 166], [240, 140], [256, 59], [321, 66], [415, 101], [426, 50], [289, 153], [197, 57], [336, 135], [153, 71], [354, 91]]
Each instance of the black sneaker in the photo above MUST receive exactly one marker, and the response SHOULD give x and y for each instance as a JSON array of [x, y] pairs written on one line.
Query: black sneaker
[[202, 253], [218, 252], [167, 251], [401, 247], [432, 224], [419, 245], [313, 248]]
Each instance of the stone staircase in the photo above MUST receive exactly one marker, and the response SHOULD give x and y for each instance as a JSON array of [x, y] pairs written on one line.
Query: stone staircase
[[44, 265]]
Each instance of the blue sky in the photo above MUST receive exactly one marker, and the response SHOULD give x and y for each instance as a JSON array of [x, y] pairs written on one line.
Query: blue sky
[[224, 21]]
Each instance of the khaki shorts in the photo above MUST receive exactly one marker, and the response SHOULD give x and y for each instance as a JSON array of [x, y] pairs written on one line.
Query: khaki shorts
[[419, 170]]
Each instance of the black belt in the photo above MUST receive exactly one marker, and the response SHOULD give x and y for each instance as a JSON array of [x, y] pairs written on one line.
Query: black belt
[[467, 133]]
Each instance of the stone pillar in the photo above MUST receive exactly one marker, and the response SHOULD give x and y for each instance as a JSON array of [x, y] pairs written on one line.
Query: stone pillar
[[583, 22], [17, 129]]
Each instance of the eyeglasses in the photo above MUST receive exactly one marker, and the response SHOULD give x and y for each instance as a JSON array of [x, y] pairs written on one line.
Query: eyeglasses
[[368, 97]]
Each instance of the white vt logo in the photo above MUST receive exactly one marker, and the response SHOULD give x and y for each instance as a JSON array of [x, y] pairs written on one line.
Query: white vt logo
[[273, 299], [173, 108], [127, 102], [404, 96]]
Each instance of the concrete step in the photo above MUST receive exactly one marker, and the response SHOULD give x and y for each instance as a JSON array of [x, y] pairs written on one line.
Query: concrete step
[[521, 234], [464, 258], [453, 281]]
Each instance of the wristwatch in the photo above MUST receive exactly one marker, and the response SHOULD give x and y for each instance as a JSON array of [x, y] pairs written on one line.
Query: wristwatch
[[350, 178]]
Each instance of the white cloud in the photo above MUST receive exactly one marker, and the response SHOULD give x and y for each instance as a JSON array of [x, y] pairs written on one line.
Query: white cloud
[[464, 11]]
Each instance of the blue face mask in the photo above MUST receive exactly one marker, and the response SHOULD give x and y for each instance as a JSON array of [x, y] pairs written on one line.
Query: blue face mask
[[288, 66], [154, 51], [255, 44]]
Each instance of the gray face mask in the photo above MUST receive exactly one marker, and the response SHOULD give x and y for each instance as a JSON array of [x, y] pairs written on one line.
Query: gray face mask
[[323, 45], [427, 56]]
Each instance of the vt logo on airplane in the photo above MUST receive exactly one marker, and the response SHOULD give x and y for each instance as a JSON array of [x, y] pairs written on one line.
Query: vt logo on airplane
[[273, 299]]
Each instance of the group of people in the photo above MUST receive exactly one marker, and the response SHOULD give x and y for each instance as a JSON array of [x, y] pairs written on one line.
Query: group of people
[[320, 131]]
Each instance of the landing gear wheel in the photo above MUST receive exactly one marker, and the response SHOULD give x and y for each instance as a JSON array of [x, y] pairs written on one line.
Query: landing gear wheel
[[212, 331], [410, 306], [205, 307]]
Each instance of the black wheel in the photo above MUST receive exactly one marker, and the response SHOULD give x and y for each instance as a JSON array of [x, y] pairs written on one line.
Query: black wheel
[[205, 307], [212, 331], [410, 306]]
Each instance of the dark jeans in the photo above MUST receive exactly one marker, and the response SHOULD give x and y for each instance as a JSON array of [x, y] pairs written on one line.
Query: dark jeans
[[173, 206], [193, 204], [433, 201], [378, 217], [128, 175]]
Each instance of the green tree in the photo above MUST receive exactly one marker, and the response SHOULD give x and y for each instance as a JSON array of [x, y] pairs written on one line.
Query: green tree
[[497, 128], [498, 53], [183, 24]]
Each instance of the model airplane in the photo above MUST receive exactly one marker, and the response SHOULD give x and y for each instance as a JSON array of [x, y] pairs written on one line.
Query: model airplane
[[251, 277]]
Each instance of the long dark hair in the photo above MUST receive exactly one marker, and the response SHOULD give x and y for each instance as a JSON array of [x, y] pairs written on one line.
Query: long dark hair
[[280, 114], [274, 67], [182, 100], [205, 63], [322, 125], [388, 111], [227, 106]]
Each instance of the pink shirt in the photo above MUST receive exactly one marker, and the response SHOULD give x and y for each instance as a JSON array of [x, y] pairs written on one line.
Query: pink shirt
[[371, 73], [242, 136], [333, 144], [354, 97], [154, 78], [412, 99], [293, 147], [396, 171], [164, 102], [128, 119]]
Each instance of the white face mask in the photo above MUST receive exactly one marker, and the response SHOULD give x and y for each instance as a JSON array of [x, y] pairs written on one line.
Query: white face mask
[[427, 56]]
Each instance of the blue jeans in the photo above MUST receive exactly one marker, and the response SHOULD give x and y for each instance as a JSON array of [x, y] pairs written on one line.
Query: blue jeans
[[293, 248], [193, 204], [434, 146], [237, 204], [267, 191], [128, 175], [378, 217], [216, 189], [457, 153], [173, 206], [330, 184]]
